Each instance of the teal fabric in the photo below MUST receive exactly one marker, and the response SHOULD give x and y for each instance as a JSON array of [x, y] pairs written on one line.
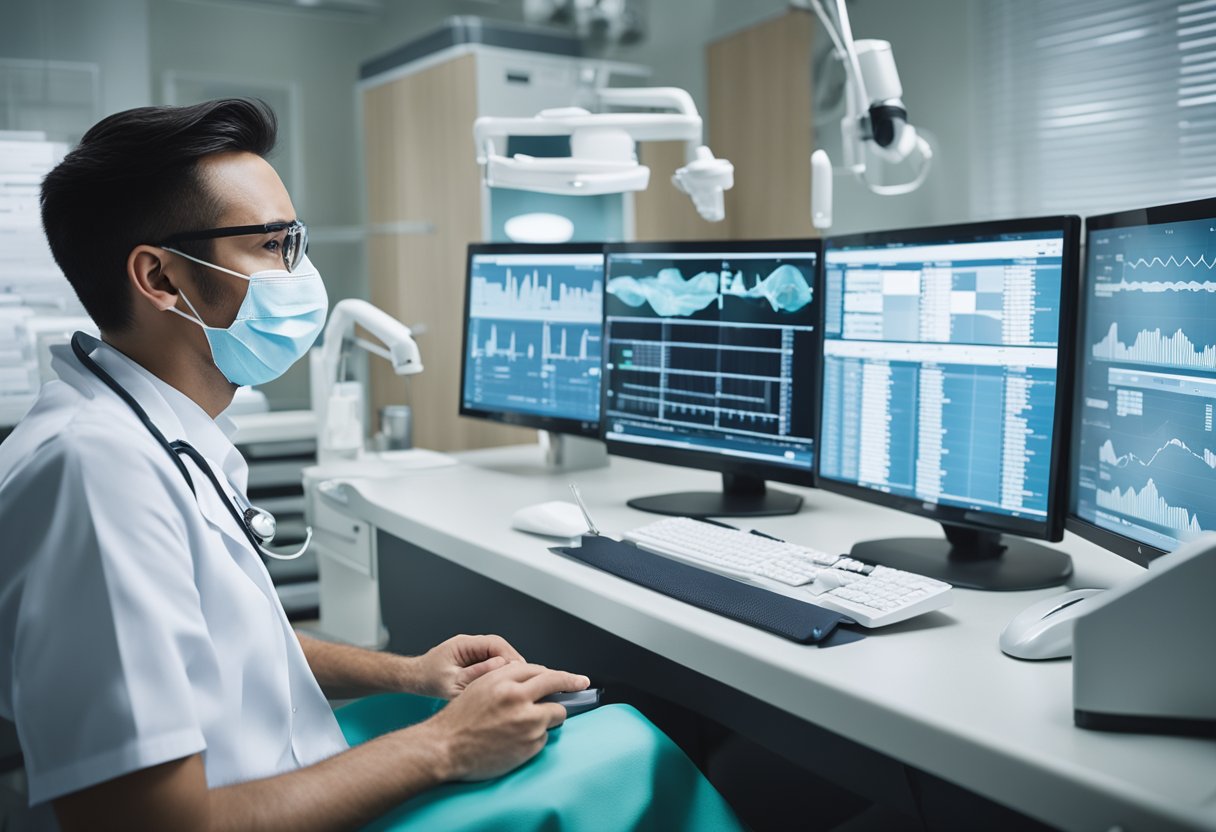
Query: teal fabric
[[604, 771]]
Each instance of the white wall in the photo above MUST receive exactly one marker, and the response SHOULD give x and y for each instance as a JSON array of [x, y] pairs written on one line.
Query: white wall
[[112, 34]]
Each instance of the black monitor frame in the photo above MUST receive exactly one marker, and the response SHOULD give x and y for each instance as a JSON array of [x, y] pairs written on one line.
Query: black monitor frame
[[970, 531], [743, 477], [1202, 209], [553, 424]]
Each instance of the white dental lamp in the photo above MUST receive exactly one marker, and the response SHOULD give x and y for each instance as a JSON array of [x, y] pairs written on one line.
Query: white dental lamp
[[339, 404], [603, 153], [875, 125]]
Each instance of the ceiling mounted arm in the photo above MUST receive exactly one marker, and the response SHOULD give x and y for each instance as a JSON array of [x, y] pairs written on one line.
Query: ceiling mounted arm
[[603, 149]]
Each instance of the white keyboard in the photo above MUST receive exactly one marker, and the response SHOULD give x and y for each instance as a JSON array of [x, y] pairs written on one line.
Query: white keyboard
[[873, 596]]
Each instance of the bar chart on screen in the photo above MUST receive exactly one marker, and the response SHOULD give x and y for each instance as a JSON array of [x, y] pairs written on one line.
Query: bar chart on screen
[[534, 334]]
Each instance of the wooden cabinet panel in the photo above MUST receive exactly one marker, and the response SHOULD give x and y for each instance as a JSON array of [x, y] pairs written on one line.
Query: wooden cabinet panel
[[421, 171]]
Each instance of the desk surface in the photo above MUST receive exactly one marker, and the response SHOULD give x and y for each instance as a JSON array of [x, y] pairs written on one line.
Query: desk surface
[[935, 692]]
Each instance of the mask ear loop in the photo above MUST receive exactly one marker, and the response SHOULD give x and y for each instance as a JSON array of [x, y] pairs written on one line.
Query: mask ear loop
[[197, 319], [205, 263]]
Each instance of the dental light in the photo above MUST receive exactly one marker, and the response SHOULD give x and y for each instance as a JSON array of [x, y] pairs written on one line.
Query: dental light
[[875, 123], [603, 156]]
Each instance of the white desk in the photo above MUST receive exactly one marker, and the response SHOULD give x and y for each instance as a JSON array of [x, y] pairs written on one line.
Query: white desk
[[934, 692]]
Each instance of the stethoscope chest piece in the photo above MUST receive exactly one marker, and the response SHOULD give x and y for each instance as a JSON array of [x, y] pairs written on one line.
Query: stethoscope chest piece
[[261, 523]]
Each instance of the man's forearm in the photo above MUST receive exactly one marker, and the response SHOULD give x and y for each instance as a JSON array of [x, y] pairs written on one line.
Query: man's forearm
[[346, 791], [346, 672]]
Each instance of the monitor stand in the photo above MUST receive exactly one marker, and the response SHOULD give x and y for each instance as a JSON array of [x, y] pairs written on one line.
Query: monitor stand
[[566, 452], [971, 558], [741, 496]]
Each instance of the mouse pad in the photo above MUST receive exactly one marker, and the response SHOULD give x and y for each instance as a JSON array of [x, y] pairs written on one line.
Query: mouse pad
[[788, 617]]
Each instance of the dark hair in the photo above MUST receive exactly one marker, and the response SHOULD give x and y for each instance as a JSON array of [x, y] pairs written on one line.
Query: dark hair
[[134, 179]]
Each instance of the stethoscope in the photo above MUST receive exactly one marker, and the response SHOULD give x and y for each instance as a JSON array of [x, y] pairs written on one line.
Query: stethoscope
[[258, 524]]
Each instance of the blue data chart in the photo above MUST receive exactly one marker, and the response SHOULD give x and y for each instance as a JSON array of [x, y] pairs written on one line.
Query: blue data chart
[[940, 364], [1146, 460], [534, 335], [713, 353], [999, 292]]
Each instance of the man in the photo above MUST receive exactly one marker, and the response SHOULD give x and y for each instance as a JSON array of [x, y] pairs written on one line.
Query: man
[[144, 656]]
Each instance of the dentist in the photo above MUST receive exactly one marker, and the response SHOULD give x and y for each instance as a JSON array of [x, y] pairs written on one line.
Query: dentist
[[144, 656]]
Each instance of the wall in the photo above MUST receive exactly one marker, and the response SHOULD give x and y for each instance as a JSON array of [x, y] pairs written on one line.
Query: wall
[[113, 35]]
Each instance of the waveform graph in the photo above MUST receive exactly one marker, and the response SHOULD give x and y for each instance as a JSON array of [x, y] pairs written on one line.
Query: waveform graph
[[533, 367], [668, 293], [565, 342], [508, 341], [733, 380], [1108, 455], [1156, 274], [1149, 506], [552, 292], [1164, 435], [674, 291], [1155, 347], [785, 288]]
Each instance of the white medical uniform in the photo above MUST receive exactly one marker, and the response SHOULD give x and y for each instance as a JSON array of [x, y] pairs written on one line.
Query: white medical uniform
[[137, 624]]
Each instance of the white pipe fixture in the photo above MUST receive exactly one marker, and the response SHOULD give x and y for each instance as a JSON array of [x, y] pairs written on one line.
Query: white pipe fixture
[[603, 153]]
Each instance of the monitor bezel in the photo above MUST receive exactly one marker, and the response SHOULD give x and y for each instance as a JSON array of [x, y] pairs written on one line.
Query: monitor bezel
[[1051, 527], [553, 424], [708, 460], [1200, 209]]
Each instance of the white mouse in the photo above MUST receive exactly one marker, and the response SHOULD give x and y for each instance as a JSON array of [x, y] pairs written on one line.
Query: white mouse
[[553, 519], [1044, 630]]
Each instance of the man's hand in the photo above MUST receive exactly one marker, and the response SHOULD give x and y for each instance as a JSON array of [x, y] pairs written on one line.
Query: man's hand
[[448, 668], [497, 723]]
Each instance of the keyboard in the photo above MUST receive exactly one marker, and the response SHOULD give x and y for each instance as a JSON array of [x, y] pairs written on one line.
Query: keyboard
[[873, 596]]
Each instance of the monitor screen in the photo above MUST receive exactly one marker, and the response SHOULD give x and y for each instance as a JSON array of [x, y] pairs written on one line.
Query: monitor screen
[[711, 355], [942, 365], [532, 327], [1144, 451]]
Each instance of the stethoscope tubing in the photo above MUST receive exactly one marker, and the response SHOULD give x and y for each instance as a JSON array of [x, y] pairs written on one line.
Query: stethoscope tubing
[[177, 448]]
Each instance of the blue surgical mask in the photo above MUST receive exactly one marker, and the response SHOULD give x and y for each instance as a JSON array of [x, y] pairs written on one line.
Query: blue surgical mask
[[280, 318]]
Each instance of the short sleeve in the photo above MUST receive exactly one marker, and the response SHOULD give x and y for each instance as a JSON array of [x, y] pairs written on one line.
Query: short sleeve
[[109, 621]]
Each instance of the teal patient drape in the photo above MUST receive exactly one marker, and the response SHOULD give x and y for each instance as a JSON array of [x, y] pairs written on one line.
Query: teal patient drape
[[604, 771]]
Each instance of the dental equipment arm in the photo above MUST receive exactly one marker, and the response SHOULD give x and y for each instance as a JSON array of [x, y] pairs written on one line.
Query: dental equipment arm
[[603, 158], [337, 403], [875, 118]]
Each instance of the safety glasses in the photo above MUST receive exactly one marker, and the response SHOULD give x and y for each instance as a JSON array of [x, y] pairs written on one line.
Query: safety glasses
[[294, 245]]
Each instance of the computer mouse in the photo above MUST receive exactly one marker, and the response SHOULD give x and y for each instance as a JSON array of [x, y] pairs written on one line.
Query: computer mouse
[[553, 519], [576, 702], [1044, 630]]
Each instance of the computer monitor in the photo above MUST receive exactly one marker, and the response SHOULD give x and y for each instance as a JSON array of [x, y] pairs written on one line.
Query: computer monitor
[[946, 392], [532, 325], [1144, 446], [712, 353]]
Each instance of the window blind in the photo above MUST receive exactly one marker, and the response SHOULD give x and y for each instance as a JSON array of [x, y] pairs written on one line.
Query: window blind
[[1090, 106]]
